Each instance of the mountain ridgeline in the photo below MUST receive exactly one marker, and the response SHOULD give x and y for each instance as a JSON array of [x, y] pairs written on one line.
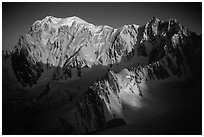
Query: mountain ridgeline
[[86, 77]]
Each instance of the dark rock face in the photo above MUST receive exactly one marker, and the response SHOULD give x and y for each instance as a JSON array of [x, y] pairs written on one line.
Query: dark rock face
[[141, 49], [92, 99], [26, 72], [158, 70]]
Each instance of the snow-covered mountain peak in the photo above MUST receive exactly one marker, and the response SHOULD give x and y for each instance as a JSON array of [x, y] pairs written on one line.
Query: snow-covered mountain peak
[[73, 77]]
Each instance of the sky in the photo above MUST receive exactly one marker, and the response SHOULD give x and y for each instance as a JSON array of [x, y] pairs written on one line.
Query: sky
[[17, 18]]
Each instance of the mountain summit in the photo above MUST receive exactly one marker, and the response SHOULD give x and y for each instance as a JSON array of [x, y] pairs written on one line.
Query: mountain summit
[[68, 76]]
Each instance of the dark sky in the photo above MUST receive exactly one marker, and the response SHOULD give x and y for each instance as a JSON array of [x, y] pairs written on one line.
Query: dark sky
[[18, 17]]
